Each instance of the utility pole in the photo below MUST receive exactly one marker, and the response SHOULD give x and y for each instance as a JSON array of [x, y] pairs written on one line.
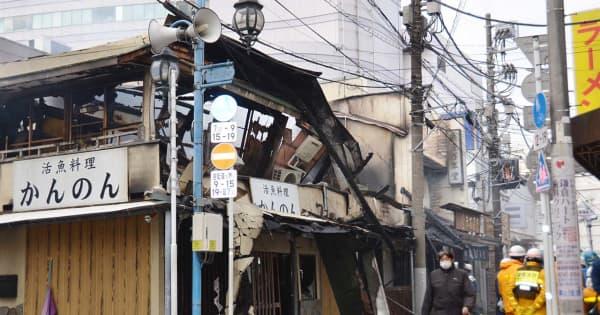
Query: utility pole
[[492, 121], [565, 225], [418, 176]]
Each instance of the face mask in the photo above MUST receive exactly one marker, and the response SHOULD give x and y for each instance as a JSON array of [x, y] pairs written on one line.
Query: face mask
[[445, 264]]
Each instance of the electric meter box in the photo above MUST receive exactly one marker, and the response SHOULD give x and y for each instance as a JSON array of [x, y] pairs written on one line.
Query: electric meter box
[[207, 232]]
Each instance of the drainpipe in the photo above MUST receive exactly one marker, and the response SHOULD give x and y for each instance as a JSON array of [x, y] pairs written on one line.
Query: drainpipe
[[412, 282]]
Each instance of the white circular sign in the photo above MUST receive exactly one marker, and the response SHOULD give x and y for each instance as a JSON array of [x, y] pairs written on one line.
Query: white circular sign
[[223, 108]]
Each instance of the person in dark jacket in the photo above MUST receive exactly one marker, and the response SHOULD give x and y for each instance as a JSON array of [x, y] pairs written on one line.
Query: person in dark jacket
[[449, 290]]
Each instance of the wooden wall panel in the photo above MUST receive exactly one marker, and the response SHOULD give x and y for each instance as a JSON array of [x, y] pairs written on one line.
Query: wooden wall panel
[[327, 298], [99, 266]]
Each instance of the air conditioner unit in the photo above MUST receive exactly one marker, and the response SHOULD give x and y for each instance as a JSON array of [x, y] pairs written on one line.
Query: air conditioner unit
[[286, 175], [305, 153]]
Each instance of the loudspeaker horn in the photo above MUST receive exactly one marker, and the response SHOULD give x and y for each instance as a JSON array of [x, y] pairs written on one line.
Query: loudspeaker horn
[[161, 36], [206, 25]]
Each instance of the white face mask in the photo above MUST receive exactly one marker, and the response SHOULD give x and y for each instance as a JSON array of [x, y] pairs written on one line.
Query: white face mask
[[445, 264]]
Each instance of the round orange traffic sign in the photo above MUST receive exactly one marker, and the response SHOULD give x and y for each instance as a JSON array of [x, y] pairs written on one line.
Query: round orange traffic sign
[[223, 156]]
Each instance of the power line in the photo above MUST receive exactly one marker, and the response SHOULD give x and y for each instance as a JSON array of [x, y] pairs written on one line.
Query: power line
[[505, 21], [322, 37], [387, 84], [372, 31]]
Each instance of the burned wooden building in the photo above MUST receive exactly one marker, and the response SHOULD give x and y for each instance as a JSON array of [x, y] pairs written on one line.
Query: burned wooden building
[[83, 179]]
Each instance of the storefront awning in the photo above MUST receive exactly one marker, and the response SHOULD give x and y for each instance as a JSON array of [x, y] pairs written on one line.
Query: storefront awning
[[69, 213]]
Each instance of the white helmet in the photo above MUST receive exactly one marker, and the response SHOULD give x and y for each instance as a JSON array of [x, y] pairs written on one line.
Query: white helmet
[[516, 251], [468, 267], [534, 253]]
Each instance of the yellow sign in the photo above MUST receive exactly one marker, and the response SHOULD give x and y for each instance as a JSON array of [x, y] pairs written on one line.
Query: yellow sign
[[527, 277], [586, 51]]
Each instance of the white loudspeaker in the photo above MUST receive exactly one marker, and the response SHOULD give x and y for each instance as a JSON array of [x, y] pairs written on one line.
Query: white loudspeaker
[[205, 26], [161, 36]]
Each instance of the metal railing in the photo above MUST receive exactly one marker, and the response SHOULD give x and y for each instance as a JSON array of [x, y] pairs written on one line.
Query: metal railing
[[56, 145]]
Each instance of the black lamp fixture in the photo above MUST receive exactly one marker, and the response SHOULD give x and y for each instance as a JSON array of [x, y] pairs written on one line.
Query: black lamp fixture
[[248, 20]]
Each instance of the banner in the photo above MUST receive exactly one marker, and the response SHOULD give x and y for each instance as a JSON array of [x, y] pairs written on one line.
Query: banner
[[586, 52]]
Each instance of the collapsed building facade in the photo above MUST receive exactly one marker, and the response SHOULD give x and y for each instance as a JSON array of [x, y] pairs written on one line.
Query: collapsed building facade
[[83, 181]]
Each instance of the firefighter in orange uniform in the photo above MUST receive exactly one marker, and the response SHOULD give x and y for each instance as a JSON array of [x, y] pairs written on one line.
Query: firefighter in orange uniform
[[506, 278], [530, 285]]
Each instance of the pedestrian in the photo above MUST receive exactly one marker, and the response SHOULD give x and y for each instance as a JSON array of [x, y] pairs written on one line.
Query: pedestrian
[[469, 269], [449, 290], [506, 278], [590, 296], [530, 285]]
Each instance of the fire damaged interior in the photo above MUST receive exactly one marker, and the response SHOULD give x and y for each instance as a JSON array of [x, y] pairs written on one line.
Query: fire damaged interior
[[337, 258]]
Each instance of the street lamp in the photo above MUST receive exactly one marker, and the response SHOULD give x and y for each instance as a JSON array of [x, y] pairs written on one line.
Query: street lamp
[[164, 71], [248, 20]]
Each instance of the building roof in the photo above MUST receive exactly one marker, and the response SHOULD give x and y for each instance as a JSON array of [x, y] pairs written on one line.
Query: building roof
[[23, 217], [46, 63], [12, 51], [459, 208]]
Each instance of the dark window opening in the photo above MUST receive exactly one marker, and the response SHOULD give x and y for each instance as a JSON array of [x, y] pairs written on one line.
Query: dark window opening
[[308, 277]]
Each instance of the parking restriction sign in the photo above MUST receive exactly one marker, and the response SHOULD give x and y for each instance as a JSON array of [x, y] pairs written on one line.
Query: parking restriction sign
[[223, 184]]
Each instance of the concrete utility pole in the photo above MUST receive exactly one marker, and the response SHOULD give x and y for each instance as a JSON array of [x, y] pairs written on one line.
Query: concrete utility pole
[[418, 176], [492, 121], [565, 225]]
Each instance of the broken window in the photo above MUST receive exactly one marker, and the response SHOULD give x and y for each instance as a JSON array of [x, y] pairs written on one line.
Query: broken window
[[308, 276]]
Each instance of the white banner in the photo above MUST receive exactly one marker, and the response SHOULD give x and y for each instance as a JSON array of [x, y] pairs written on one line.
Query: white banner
[[565, 229], [274, 196], [80, 179], [454, 157]]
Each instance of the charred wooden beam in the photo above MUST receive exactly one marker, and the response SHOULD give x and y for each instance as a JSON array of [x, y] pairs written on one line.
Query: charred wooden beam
[[68, 116]]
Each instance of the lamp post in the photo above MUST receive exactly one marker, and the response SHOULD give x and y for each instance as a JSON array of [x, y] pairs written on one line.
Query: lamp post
[[205, 26], [248, 22], [164, 71]]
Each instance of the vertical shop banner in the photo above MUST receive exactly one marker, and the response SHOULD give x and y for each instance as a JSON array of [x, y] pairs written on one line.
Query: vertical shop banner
[[565, 230], [586, 48]]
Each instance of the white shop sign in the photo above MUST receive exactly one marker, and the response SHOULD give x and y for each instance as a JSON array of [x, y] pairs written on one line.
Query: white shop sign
[[275, 196], [80, 179]]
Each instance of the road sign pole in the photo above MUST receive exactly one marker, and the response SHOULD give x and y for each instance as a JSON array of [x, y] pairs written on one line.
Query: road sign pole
[[550, 275], [198, 165], [230, 226]]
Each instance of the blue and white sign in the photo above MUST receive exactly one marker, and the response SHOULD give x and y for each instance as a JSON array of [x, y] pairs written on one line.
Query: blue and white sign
[[543, 182], [540, 110]]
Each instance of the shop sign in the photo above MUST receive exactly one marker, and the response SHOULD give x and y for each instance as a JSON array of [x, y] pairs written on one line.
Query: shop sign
[[279, 197], [80, 179]]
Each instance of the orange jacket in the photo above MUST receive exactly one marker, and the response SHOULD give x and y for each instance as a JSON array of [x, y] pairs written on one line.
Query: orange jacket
[[506, 284], [534, 305], [589, 299]]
